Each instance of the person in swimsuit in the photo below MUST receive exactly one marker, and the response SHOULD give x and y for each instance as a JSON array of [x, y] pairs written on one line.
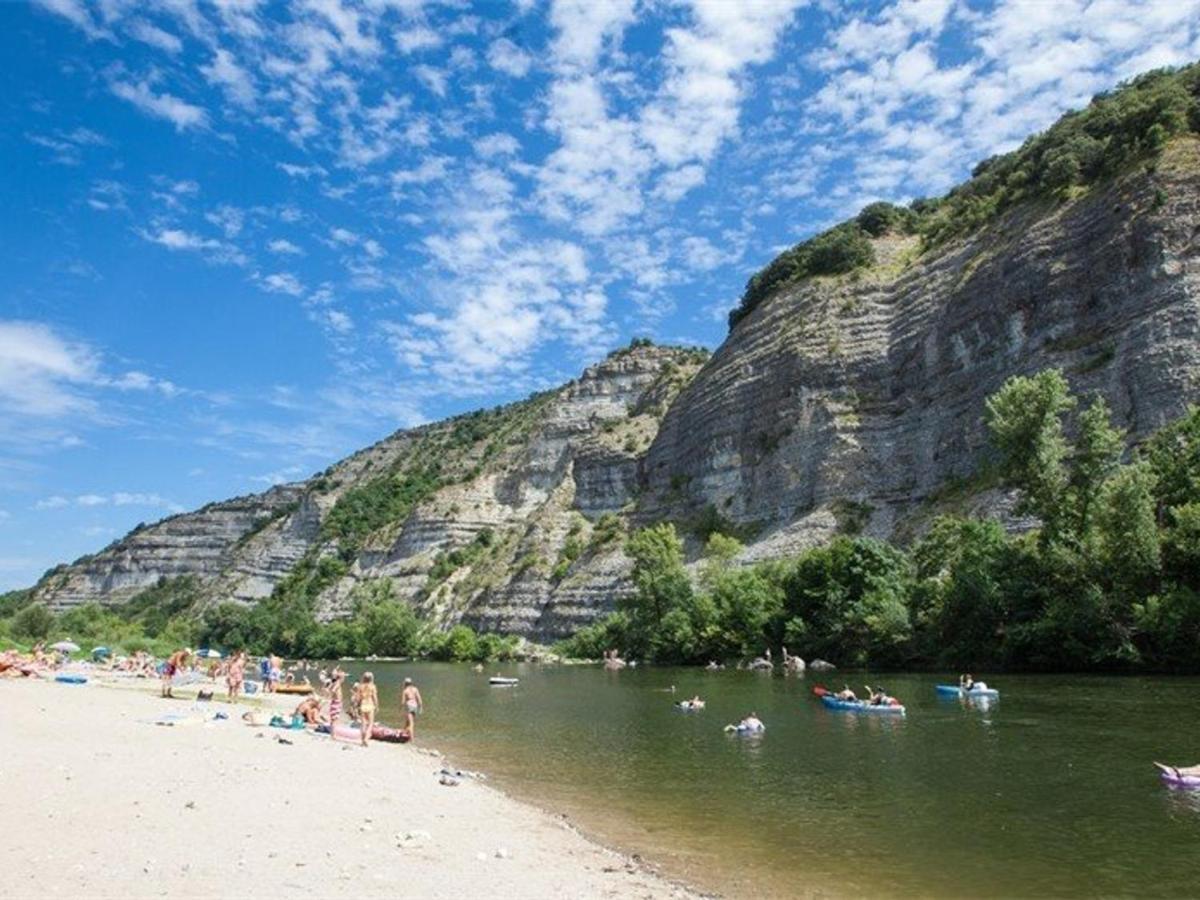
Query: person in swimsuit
[[175, 663], [235, 675], [410, 699], [309, 710], [368, 701], [335, 698]]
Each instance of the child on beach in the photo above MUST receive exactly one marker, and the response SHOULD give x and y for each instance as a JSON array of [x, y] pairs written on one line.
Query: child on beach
[[368, 701]]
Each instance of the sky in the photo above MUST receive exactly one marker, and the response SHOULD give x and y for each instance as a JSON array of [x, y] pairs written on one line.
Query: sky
[[242, 239]]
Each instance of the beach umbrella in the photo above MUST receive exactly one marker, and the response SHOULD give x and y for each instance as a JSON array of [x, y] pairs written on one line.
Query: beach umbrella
[[98, 652], [65, 646], [209, 654]]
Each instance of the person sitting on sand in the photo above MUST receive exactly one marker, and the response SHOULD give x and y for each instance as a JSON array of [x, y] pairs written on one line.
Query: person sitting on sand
[[368, 701], [309, 710], [176, 662], [410, 699], [846, 694]]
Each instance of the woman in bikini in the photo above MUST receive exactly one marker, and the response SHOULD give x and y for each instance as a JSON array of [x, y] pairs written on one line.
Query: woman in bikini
[[368, 702], [235, 675], [335, 698]]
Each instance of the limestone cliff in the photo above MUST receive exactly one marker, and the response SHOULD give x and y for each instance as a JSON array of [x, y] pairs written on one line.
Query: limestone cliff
[[840, 403]]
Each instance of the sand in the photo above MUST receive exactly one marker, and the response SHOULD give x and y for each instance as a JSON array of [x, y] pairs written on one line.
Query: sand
[[97, 801]]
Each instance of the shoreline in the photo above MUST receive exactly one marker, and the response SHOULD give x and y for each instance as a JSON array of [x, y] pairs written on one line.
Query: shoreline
[[190, 804]]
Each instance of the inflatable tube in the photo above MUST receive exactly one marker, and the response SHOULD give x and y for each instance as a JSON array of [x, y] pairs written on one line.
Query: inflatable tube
[[1172, 777], [347, 733], [391, 735], [689, 706], [955, 690], [497, 681], [858, 706], [294, 689], [71, 679]]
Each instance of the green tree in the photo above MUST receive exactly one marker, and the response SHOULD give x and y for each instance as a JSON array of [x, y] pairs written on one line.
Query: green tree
[[660, 581], [1129, 542], [34, 622], [1025, 420], [1097, 456]]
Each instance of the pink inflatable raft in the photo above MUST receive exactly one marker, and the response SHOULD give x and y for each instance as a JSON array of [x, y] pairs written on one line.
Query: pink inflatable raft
[[1173, 776]]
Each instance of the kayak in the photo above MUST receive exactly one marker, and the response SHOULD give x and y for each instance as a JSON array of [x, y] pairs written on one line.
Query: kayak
[[497, 681], [858, 706], [745, 729], [955, 690], [71, 679], [1173, 777]]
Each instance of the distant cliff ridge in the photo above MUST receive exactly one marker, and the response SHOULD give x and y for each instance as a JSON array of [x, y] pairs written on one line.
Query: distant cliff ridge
[[839, 403]]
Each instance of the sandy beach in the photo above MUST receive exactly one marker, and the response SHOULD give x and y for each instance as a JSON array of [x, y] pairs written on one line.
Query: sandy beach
[[98, 800]]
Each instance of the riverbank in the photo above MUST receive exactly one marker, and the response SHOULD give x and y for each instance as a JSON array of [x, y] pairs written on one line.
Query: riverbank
[[102, 800]]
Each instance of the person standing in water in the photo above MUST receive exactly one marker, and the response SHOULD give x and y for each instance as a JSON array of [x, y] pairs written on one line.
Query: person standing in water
[[368, 702], [410, 699]]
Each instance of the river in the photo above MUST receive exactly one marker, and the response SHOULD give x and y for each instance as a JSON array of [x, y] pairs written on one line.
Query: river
[[1048, 791]]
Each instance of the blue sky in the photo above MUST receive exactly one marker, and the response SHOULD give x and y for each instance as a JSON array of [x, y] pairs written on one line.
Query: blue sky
[[242, 239]]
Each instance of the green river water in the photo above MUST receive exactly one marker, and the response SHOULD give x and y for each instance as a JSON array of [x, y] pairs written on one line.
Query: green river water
[[1048, 791]]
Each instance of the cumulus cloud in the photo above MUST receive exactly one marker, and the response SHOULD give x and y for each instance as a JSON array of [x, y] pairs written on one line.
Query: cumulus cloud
[[42, 373], [284, 246], [282, 283], [505, 56]]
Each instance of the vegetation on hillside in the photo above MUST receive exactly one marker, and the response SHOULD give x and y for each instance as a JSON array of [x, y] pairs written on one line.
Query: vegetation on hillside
[[1117, 129], [1109, 581]]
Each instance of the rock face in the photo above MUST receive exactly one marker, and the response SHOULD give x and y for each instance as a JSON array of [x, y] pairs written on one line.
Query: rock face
[[843, 404], [850, 402]]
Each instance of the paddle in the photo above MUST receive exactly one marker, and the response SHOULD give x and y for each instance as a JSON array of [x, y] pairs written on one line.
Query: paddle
[[820, 690]]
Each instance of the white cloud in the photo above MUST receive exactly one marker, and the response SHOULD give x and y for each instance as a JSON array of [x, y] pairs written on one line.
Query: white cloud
[[412, 40], [235, 81], [673, 185], [180, 113], [297, 171], [151, 34], [91, 500], [41, 373], [505, 56], [282, 283], [55, 502], [584, 26], [498, 144], [75, 12], [228, 218], [433, 78], [282, 245], [343, 236]]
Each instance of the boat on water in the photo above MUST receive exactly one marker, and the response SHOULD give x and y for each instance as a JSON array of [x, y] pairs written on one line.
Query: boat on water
[[953, 690], [858, 706], [499, 681]]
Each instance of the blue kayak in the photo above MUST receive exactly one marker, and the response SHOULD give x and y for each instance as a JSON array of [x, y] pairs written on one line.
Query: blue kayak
[[71, 679], [955, 690], [858, 706]]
